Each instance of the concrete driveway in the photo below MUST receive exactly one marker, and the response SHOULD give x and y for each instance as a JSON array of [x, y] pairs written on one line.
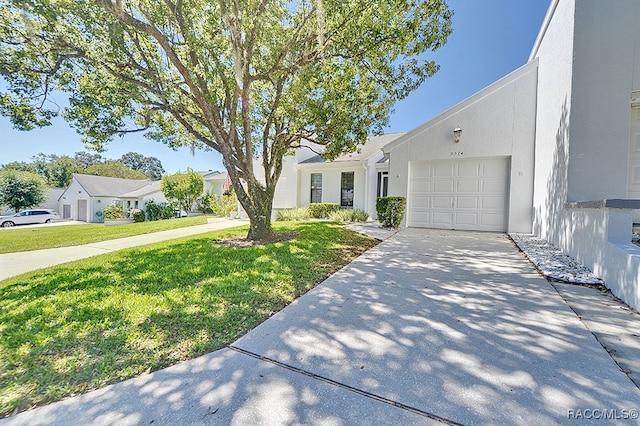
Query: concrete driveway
[[429, 326]]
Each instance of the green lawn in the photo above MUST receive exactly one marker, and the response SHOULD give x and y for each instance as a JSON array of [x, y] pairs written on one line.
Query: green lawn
[[80, 326], [25, 239]]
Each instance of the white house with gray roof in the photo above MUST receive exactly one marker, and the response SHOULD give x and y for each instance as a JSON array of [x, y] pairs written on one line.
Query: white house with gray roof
[[88, 195], [352, 180]]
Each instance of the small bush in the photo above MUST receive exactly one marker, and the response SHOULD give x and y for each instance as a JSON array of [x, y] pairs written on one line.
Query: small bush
[[321, 210], [295, 214], [137, 215], [390, 210], [205, 203], [158, 211], [114, 211], [349, 215]]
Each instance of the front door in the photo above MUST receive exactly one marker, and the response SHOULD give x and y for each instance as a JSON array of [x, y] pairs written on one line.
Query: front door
[[346, 189], [82, 210]]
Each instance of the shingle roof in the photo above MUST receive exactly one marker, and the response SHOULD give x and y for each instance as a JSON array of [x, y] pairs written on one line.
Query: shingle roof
[[149, 188], [101, 186], [373, 146]]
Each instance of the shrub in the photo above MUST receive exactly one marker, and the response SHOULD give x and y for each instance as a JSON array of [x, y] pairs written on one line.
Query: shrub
[[321, 210], [137, 215], [390, 210], [158, 211], [114, 211], [349, 215], [360, 216], [298, 213], [205, 203]]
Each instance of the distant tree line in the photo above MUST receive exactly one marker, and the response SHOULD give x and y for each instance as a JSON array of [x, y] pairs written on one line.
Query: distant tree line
[[57, 171]]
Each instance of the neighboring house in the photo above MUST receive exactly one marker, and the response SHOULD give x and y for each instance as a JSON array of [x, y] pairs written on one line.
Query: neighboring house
[[52, 196], [138, 198], [88, 195], [552, 148], [214, 182]]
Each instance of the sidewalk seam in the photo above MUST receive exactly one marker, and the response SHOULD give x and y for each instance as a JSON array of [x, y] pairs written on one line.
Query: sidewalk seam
[[347, 387]]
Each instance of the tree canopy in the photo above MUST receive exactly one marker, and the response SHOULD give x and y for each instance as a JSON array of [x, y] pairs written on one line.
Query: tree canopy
[[183, 188], [252, 79], [150, 166], [21, 190], [58, 170], [114, 169]]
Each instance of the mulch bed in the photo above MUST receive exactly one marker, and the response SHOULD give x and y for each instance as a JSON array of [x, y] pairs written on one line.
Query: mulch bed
[[240, 242]]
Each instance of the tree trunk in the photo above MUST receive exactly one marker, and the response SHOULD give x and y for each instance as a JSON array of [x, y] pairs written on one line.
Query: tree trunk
[[257, 203]]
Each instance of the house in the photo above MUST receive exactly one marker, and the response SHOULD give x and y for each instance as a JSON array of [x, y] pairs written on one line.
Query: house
[[551, 149], [352, 180], [87, 195], [215, 182]]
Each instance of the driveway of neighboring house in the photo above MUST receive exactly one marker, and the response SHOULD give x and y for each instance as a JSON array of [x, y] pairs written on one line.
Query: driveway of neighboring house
[[429, 326]]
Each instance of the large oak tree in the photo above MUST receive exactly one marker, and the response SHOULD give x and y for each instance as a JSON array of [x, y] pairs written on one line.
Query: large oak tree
[[252, 79]]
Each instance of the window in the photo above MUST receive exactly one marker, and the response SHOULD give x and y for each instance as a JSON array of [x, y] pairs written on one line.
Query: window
[[346, 189], [316, 187], [383, 184]]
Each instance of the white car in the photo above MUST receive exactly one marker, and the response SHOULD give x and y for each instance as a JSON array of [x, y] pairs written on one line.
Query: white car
[[29, 216]]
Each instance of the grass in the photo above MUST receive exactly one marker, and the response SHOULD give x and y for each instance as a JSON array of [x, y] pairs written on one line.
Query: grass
[[16, 239], [77, 327]]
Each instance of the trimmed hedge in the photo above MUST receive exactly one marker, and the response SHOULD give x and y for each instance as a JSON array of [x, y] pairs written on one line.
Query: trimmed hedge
[[321, 210], [390, 210]]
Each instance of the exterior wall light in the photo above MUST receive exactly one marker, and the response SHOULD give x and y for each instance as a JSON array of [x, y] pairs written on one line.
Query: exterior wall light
[[456, 134]]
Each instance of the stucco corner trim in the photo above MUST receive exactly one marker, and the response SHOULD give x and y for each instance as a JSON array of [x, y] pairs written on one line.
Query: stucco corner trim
[[613, 203]]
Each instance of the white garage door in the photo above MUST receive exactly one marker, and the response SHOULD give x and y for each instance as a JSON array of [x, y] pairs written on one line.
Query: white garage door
[[459, 194]]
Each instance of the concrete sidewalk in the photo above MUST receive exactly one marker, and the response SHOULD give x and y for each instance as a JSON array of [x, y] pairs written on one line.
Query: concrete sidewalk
[[428, 327], [12, 264]]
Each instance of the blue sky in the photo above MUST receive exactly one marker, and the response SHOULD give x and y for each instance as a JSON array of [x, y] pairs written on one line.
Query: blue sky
[[490, 39]]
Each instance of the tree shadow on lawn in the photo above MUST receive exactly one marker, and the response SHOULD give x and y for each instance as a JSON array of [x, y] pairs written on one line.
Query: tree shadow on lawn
[[78, 327]]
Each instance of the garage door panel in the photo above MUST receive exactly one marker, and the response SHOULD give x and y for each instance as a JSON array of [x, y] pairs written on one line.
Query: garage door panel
[[493, 186], [493, 203], [492, 219], [443, 186], [468, 186], [466, 219], [466, 194], [422, 173], [469, 169], [421, 218], [495, 168], [443, 170], [442, 218], [421, 202], [467, 203], [443, 202]]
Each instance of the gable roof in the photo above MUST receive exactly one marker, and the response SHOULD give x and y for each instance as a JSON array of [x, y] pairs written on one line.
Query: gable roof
[[372, 147], [149, 188], [102, 186], [531, 66]]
